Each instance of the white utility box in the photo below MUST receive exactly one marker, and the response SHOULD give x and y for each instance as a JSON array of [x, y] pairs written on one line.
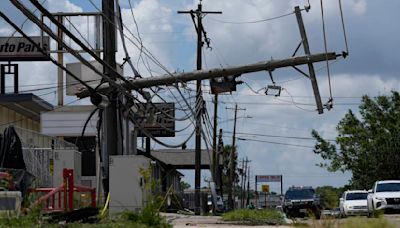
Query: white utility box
[[127, 186], [66, 159]]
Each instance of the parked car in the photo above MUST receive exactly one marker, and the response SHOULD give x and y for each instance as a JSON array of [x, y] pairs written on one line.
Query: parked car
[[299, 201], [220, 204], [353, 203], [334, 213], [384, 195]]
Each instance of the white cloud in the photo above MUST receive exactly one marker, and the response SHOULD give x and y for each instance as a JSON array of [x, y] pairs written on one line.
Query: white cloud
[[171, 38]]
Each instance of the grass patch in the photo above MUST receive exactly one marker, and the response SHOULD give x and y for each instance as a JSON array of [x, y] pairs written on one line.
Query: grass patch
[[254, 217], [353, 222], [367, 223]]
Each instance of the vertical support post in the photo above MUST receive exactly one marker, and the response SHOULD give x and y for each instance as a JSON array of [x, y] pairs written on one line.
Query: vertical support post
[[248, 187], [15, 70], [231, 166], [97, 34], [60, 72], [70, 181], [255, 189], [198, 110], [98, 171], [219, 152], [110, 145], [93, 198], [281, 185], [310, 65], [3, 79], [199, 29], [242, 185], [265, 199], [148, 145], [214, 154], [7, 69], [65, 180], [59, 200]]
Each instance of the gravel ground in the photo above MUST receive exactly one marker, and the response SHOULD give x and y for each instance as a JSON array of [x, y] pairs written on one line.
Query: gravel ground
[[180, 221]]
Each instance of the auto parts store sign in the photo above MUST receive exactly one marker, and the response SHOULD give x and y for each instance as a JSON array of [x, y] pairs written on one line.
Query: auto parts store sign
[[20, 49], [269, 178]]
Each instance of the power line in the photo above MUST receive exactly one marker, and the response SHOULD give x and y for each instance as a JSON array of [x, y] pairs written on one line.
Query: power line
[[276, 143], [23, 23], [280, 104], [250, 22], [277, 136]]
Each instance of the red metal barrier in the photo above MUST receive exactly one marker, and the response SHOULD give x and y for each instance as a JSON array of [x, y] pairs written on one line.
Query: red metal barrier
[[65, 191]]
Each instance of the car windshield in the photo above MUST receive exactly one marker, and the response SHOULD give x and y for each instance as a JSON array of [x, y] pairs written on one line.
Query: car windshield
[[299, 194], [356, 196], [388, 187]]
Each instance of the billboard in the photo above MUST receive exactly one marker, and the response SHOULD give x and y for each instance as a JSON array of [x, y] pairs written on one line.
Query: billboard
[[269, 178], [86, 74], [158, 120], [20, 49]]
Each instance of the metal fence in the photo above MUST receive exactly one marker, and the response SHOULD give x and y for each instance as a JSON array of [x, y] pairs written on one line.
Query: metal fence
[[38, 163], [35, 139], [38, 151]]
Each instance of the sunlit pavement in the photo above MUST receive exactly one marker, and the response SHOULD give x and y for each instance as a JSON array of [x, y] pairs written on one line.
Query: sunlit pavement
[[180, 220]]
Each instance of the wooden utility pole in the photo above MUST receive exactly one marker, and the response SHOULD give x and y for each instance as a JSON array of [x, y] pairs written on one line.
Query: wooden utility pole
[[231, 203], [199, 13], [109, 128], [248, 187], [311, 70], [242, 184], [220, 150], [214, 151], [60, 72], [173, 79]]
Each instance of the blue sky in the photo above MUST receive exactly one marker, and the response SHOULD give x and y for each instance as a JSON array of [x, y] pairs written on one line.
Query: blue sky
[[372, 68]]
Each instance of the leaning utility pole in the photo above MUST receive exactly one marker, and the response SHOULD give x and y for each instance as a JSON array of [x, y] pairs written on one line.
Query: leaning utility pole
[[199, 100], [109, 128], [231, 203], [311, 70]]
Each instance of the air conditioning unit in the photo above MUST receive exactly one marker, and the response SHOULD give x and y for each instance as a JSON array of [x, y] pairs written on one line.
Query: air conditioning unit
[[10, 203]]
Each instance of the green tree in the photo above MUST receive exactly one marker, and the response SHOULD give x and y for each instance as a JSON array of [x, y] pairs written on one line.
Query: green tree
[[184, 185], [367, 144], [329, 196], [227, 150]]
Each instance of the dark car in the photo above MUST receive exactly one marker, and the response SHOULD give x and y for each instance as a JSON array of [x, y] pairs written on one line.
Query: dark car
[[302, 201]]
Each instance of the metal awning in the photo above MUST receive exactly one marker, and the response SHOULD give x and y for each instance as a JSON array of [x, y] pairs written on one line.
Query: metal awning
[[26, 104], [182, 159]]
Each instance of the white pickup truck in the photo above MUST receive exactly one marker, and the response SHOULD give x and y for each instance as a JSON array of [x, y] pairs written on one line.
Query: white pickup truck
[[353, 203], [384, 195]]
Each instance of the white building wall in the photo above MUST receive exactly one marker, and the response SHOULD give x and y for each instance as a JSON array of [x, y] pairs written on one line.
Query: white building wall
[[68, 122]]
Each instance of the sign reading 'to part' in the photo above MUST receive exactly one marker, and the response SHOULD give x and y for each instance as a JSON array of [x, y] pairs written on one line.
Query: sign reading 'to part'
[[20, 49]]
